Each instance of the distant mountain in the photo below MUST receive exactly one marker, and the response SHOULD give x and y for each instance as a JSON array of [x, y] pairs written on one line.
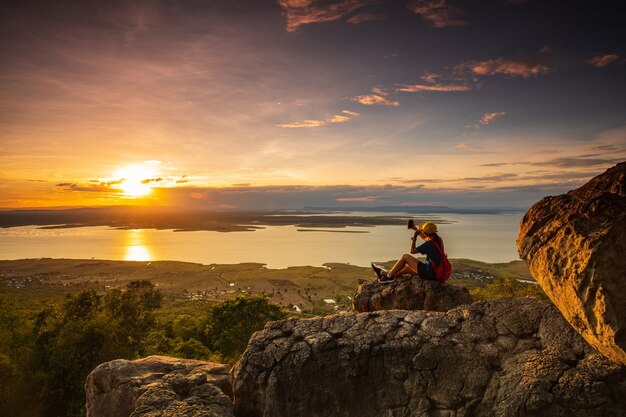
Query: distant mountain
[[425, 209]]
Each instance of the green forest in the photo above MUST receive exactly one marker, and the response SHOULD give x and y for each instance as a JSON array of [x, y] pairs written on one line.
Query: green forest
[[47, 352], [47, 349]]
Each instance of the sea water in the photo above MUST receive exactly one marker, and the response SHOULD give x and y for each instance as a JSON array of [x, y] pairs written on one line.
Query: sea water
[[483, 237]]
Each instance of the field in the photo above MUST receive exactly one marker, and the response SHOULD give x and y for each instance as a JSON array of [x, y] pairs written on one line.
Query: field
[[37, 280]]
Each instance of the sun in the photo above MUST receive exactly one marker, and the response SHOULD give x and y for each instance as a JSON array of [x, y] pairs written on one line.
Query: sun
[[135, 180]]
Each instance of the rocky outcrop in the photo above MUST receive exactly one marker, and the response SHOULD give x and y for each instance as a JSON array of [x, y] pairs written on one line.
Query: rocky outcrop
[[409, 293], [507, 357], [575, 246], [159, 386]]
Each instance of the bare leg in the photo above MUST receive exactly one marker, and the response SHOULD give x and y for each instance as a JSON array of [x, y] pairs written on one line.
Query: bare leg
[[406, 261], [406, 270]]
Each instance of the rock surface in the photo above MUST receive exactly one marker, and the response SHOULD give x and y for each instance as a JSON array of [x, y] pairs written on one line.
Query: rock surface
[[159, 386], [409, 293], [575, 246], [507, 357]]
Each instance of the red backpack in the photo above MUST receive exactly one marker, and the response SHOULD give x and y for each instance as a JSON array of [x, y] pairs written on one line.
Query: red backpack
[[443, 271]]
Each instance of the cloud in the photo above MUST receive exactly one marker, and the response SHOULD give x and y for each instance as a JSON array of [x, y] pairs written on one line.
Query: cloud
[[306, 123], [581, 161], [494, 177], [378, 97], [357, 199], [365, 17], [152, 181], [304, 12], [510, 67], [600, 61], [438, 13], [495, 164], [513, 67], [92, 186], [486, 119], [489, 117], [609, 148], [574, 162], [461, 146], [337, 118], [414, 88]]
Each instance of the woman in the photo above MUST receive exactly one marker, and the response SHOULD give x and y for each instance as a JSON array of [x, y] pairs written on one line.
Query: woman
[[407, 264]]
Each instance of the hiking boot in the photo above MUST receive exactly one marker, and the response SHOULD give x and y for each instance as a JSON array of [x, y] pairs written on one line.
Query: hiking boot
[[378, 270], [386, 279]]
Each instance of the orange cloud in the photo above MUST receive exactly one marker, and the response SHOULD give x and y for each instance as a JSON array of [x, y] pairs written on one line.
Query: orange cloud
[[437, 12], [306, 123], [489, 117], [524, 68], [337, 118], [414, 88], [304, 12], [358, 199], [379, 97], [600, 61]]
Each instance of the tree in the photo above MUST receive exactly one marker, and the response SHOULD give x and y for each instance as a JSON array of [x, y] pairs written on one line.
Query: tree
[[83, 331], [230, 323]]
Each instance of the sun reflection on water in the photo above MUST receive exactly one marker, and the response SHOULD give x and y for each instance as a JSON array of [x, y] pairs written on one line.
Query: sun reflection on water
[[136, 247]]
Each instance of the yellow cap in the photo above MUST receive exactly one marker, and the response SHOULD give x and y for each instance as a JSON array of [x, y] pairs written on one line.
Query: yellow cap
[[428, 228]]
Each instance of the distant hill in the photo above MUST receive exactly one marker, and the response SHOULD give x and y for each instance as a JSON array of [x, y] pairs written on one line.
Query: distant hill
[[425, 209]]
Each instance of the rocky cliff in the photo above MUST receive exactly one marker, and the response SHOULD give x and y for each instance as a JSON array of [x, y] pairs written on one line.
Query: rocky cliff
[[506, 357], [159, 386], [575, 246], [509, 357], [409, 293]]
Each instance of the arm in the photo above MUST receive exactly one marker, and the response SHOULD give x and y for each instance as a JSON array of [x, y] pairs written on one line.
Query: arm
[[413, 239]]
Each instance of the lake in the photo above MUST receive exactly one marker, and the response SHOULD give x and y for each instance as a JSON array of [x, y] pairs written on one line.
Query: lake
[[483, 237]]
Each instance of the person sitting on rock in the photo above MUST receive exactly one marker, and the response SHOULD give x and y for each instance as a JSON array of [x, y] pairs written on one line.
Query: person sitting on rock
[[407, 264]]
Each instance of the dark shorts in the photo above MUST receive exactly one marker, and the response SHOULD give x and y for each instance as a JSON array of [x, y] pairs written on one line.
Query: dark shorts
[[422, 272]]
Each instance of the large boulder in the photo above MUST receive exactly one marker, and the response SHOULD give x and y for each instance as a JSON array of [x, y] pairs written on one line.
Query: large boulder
[[159, 386], [409, 293], [575, 246], [507, 357]]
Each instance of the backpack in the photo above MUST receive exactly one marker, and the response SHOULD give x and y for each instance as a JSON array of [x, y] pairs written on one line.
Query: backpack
[[444, 269]]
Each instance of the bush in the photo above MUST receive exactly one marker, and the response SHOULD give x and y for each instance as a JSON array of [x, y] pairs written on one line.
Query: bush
[[508, 286]]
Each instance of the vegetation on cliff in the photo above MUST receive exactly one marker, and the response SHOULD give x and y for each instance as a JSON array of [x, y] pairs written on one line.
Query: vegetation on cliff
[[46, 352]]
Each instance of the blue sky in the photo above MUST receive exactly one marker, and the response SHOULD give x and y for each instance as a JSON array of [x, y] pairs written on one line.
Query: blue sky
[[281, 104]]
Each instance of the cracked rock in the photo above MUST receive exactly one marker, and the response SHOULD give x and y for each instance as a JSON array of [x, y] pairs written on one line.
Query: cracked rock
[[501, 358], [159, 386]]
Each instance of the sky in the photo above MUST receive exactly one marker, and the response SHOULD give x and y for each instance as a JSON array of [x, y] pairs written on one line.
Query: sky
[[248, 104]]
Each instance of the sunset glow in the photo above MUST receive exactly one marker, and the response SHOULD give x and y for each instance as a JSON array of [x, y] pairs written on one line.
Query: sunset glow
[[135, 180], [279, 104]]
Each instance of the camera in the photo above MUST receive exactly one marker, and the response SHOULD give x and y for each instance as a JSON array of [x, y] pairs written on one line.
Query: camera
[[411, 224]]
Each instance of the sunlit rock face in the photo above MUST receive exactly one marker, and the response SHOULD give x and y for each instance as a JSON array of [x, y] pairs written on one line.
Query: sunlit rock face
[[159, 386], [502, 358], [409, 293], [575, 246]]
